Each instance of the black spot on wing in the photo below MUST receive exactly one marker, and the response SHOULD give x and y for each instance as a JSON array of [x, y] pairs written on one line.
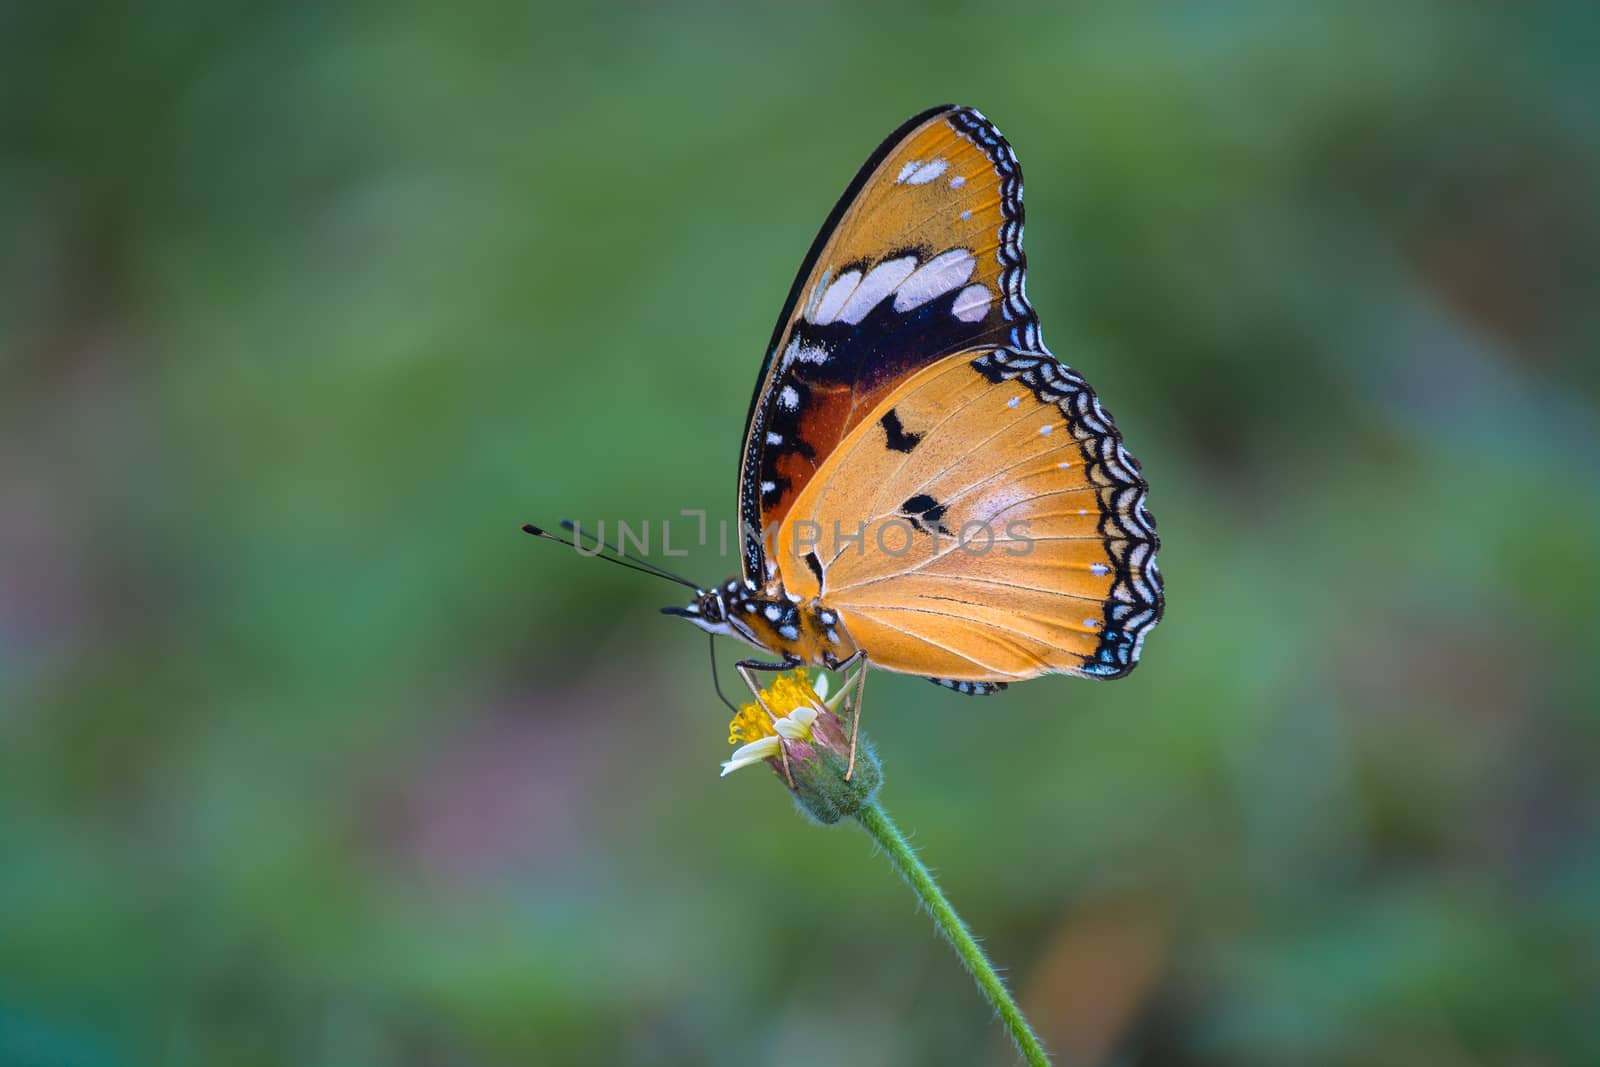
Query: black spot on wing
[[815, 566], [993, 371], [896, 436], [925, 513]]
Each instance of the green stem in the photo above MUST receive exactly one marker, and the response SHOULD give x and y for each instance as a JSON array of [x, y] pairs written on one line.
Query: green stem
[[920, 879]]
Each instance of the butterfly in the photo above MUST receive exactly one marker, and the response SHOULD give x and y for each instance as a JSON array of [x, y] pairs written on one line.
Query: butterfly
[[923, 487]]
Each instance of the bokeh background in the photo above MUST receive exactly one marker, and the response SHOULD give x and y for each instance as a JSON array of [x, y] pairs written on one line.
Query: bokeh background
[[308, 757]]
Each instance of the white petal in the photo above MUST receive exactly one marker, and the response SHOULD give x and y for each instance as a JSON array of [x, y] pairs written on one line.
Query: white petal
[[761, 748], [821, 687], [796, 725]]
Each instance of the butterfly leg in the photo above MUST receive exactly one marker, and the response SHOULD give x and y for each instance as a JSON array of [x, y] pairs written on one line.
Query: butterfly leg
[[858, 657], [855, 720], [747, 670]]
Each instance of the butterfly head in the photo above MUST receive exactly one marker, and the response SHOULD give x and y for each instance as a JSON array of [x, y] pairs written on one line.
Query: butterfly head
[[710, 609], [769, 618]]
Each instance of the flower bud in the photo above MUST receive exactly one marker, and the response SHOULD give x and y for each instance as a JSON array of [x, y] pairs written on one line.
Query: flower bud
[[799, 728]]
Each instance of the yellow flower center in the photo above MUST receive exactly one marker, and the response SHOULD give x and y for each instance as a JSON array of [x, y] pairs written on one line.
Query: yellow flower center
[[786, 693]]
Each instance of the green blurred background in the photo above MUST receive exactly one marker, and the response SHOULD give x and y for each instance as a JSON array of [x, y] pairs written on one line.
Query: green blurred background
[[308, 757]]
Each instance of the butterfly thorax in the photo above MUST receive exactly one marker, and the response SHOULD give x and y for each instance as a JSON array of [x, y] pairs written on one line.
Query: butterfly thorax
[[796, 629]]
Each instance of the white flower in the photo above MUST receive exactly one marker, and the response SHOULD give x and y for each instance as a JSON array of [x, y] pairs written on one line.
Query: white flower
[[795, 726], [795, 731]]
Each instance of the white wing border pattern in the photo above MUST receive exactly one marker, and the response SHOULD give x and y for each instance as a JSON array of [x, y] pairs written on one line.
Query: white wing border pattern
[[971, 124]]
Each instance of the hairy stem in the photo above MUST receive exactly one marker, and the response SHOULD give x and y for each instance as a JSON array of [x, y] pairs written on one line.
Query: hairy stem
[[920, 879]]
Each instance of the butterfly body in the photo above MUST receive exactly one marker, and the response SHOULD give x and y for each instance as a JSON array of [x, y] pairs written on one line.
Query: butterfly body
[[800, 631], [923, 485]]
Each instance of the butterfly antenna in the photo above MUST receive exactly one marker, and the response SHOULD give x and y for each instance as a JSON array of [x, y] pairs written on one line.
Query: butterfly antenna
[[572, 528], [716, 683], [628, 562]]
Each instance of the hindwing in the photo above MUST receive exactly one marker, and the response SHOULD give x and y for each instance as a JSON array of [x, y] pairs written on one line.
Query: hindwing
[[1009, 540]]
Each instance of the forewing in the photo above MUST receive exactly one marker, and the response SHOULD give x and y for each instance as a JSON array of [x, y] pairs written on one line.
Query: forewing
[[921, 258]]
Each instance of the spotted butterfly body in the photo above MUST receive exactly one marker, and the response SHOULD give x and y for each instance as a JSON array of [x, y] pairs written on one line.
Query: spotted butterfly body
[[922, 483]]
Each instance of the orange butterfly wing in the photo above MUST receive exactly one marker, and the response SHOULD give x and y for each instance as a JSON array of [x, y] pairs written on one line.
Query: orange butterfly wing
[[922, 257], [984, 523]]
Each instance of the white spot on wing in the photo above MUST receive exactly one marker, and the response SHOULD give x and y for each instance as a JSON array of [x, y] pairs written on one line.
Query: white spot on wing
[[773, 612], [810, 310], [1013, 402], [924, 174], [957, 182], [971, 304], [908, 170], [878, 284], [789, 399], [767, 487], [1099, 570], [832, 300], [797, 352], [774, 438], [934, 278], [1046, 428], [965, 215]]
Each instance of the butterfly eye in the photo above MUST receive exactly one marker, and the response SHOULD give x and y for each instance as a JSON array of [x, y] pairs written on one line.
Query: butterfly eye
[[711, 607]]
